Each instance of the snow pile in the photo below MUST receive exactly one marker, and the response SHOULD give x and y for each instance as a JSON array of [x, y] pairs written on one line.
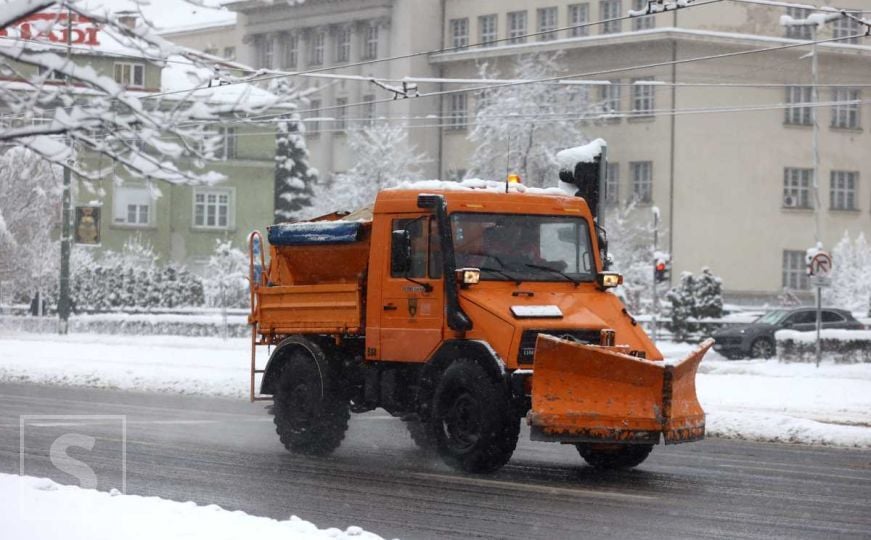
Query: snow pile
[[37, 508], [837, 334], [784, 402], [476, 184], [587, 153]]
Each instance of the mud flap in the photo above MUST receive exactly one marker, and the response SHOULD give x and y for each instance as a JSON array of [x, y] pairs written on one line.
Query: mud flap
[[588, 393]]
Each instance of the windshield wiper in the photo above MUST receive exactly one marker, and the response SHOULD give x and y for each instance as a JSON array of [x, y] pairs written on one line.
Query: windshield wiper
[[500, 272], [555, 271]]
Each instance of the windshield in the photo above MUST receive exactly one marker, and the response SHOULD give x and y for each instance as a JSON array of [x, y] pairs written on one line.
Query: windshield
[[512, 247], [772, 317]]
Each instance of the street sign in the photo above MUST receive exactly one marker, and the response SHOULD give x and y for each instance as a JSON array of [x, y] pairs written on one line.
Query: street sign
[[820, 265], [821, 281]]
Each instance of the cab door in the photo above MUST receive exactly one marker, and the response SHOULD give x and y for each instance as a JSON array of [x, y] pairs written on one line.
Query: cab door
[[412, 302]]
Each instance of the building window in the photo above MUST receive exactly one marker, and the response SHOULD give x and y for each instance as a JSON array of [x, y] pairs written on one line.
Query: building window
[[842, 192], [290, 51], [611, 9], [644, 22], [794, 270], [227, 144], [642, 97], [517, 27], [457, 113], [798, 32], [266, 51], [799, 114], [229, 53], [130, 75], [342, 113], [612, 183], [642, 181], [459, 33], [343, 44], [133, 206], [370, 42], [487, 30], [846, 115], [547, 22], [212, 208], [797, 187], [844, 27], [609, 94], [313, 126], [211, 51], [579, 15], [316, 48], [368, 110]]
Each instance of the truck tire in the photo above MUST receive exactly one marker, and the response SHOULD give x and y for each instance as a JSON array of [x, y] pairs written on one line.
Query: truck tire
[[310, 417], [623, 456], [473, 424], [421, 435]]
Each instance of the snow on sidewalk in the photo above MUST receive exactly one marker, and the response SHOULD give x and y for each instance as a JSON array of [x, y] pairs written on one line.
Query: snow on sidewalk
[[751, 399], [37, 509]]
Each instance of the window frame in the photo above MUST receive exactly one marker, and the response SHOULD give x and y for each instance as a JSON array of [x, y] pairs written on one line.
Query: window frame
[[547, 21], [612, 183], [341, 122], [290, 51], [575, 14], [610, 9], [844, 196], [799, 115], [611, 94], [133, 68], [457, 117], [459, 32], [644, 22], [488, 39], [343, 44], [794, 270], [643, 94], [846, 115], [797, 183], [517, 24], [798, 32], [317, 44], [370, 42], [125, 196], [368, 110], [229, 192], [642, 188]]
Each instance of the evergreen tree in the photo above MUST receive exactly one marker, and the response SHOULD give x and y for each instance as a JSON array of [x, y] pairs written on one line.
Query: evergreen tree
[[851, 275], [708, 295], [294, 177], [683, 307]]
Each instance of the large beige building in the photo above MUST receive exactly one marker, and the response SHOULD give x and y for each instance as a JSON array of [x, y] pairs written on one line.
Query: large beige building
[[714, 144]]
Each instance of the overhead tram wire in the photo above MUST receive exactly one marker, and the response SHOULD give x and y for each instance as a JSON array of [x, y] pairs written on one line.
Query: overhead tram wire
[[572, 76], [824, 9]]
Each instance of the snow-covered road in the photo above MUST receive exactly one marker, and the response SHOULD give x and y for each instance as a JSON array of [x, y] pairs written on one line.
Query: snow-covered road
[[752, 399]]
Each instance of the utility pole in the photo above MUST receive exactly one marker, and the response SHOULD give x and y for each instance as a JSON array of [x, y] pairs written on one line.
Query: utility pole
[[63, 303]]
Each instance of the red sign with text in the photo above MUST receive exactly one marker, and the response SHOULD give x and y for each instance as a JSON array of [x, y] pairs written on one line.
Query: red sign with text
[[54, 27]]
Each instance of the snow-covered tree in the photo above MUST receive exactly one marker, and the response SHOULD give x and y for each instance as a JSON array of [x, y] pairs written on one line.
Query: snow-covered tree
[[227, 276], [520, 128], [294, 177], [160, 137], [851, 274], [383, 157], [630, 244], [30, 191], [708, 295], [683, 306]]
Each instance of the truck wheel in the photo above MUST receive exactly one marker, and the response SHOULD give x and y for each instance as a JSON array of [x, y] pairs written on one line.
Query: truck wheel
[[310, 418], [420, 434], [623, 456], [473, 424]]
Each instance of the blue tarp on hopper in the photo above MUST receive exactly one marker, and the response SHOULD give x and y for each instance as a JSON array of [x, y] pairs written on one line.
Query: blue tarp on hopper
[[315, 232]]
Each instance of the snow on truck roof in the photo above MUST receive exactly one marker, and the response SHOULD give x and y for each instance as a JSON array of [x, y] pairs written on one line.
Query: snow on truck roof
[[477, 184]]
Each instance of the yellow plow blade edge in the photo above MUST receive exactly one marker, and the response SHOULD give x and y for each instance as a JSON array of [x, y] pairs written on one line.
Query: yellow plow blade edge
[[588, 393]]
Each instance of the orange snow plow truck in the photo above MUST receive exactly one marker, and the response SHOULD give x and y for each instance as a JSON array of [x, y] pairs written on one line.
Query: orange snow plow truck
[[463, 309]]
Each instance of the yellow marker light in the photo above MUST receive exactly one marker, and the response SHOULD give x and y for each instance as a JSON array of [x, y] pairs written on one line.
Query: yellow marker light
[[468, 276], [608, 280], [514, 179]]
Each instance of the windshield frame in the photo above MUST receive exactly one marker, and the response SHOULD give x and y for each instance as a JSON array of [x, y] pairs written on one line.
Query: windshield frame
[[779, 315], [526, 272]]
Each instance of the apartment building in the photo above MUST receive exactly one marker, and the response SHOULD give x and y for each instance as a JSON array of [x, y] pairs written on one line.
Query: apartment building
[[723, 147]]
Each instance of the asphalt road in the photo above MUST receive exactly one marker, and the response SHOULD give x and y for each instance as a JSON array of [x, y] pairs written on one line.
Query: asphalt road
[[226, 452]]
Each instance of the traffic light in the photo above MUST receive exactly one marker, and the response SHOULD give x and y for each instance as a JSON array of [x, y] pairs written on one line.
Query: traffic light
[[661, 269]]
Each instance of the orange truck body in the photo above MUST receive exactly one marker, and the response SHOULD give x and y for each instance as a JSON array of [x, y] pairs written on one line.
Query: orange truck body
[[588, 375]]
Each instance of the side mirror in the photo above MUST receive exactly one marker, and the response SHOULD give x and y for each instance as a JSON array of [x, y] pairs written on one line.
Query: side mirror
[[400, 252]]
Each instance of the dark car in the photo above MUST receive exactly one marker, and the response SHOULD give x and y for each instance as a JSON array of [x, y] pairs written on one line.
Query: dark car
[[756, 340]]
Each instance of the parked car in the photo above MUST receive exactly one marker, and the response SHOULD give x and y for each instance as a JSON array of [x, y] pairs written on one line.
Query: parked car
[[756, 340]]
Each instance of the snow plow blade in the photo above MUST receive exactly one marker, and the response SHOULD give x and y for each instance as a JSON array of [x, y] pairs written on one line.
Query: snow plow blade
[[588, 393]]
